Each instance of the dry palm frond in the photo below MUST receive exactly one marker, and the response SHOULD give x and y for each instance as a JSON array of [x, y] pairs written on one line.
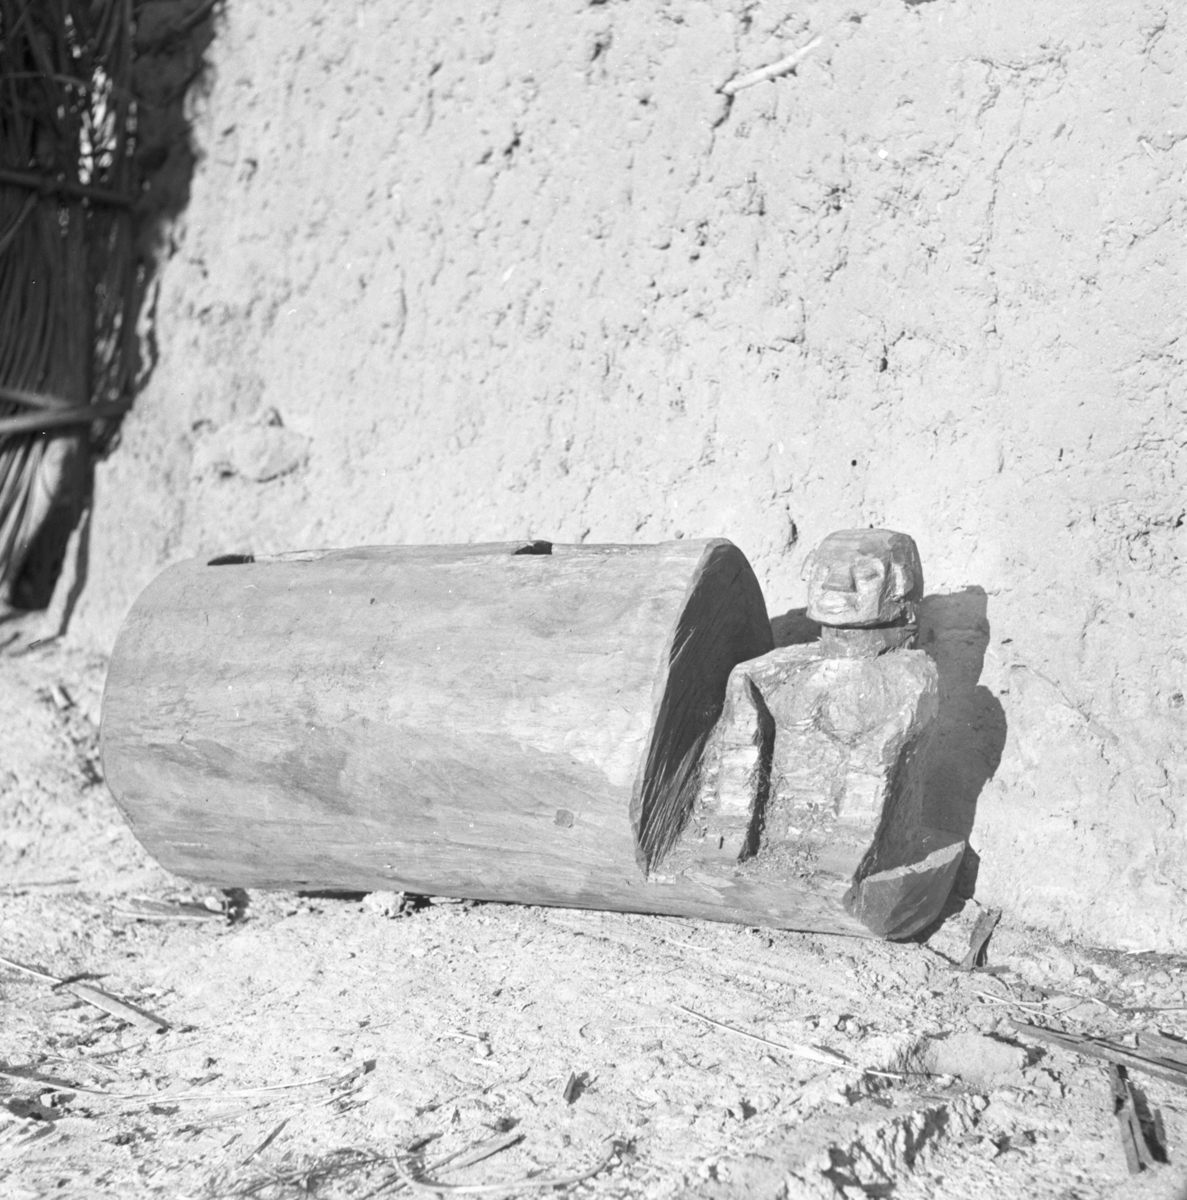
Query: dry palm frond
[[66, 266]]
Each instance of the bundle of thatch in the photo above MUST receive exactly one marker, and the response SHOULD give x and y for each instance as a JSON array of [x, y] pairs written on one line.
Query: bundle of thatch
[[67, 272]]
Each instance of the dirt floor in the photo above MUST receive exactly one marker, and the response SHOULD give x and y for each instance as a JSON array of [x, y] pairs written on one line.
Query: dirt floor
[[331, 1046]]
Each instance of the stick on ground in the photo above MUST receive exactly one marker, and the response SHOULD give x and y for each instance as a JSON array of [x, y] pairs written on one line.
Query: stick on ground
[[1140, 1152], [1125, 1056], [276, 1131], [982, 931], [435, 1188], [459, 1158], [830, 1058], [96, 996]]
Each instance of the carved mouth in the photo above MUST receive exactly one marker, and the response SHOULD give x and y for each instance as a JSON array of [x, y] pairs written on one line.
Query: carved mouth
[[835, 603]]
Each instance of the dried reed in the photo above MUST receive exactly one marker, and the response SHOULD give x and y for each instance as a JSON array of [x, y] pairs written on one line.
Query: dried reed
[[67, 271]]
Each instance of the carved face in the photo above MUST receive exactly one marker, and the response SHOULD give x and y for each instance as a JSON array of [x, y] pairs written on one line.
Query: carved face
[[864, 577]]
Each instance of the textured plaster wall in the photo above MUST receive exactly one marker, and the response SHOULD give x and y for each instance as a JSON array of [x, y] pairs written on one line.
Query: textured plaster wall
[[469, 270]]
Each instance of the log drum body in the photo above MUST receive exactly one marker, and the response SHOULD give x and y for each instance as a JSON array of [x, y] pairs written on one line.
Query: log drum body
[[520, 722]]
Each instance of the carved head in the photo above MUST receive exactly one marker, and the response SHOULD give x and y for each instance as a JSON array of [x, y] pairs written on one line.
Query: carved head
[[864, 577]]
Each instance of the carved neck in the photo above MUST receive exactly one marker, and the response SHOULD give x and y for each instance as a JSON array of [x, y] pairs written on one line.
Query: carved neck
[[854, 642]]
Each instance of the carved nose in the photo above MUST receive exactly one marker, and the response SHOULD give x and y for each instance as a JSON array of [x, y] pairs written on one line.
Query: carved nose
[[839, 579]]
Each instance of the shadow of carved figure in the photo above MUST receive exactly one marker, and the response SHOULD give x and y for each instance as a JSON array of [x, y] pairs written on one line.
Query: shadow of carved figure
[[821, 757], [970, 731]]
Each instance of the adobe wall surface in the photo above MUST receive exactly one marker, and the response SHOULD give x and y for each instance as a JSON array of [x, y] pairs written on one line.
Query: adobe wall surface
[[471, 271]]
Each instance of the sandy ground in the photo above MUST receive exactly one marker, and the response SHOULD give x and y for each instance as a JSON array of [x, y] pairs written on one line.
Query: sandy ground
[[321, 1045]]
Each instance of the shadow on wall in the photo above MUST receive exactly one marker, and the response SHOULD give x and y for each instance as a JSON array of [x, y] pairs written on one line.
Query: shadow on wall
[[971, 727], [794, 628]]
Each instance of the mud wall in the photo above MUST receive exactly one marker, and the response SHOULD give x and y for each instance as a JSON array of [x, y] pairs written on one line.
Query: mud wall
[[456, 271]]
